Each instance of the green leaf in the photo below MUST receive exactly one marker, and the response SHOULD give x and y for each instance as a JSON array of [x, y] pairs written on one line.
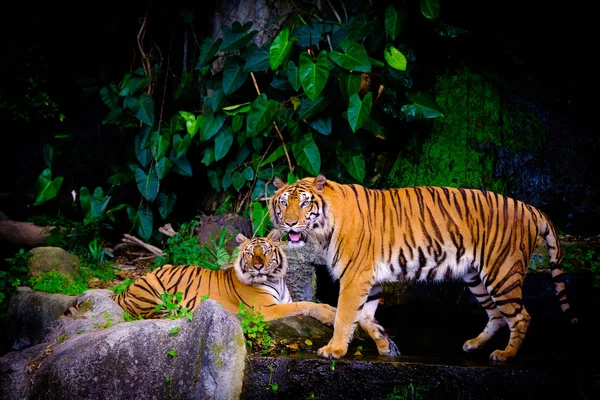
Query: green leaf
[[243, 154], [261, 115], [358, 111], [213, 179], [192, 123], [223, 142], [280, 48], [163, 166], [218, 99], [166, 203], [233, 76], [142, 220], [159, 145], [143, 106], [394, 21], [354, 58], [313, 76], [120, 176], [349, 83], [211, 125], [237, 122], [293, 75], [307, 154], [134, 84], [355, 165], [430, 8], [257, 59], [238, 180], [395, 58], [237, 36], [274, 156], [109, 96], [48, 152], [209, 48], [248, 173], [238, 108], [142, 149], [424, 106], [147, 184], [362, 26], [46, 188], [309, 108], [93, 206], [209, 156], [321, 125], [260, 218], [312, 34], [181, 165], [281, 82], [181, 146]]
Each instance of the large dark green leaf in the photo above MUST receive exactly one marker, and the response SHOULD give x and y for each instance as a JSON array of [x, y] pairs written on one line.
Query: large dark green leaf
[[238, 180], [349, 83], [142, 220], [192, 123], [313, 76], [260, 218], [293, 75], [141, 145], [355, 165], [209, 48], [354, 58], [163, 166], [321, 125], [312, 34], [430, 8], [280, 48], [166, 203], [358, 111], [134, 84], [120, 176], [274, 156], [213, 179], [110, 96], [223, 142], [257, 59], [362, 26], [424, 106], [45, 188], [307, 154], [209, 156], [147, 184], [181, 165], [237, 36], [143, 106], [394, 21], [93, 206], [233, 76], [228, 176], [248, 173], [261, 115], [236, 123], [280, 81], [310, 108], [243, 153], [395, 58], [181, 146], [238, 108], [217, 100], [159, 144], [211, 125]]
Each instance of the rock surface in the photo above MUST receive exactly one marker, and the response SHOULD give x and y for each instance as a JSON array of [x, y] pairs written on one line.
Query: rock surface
[[48, 258]]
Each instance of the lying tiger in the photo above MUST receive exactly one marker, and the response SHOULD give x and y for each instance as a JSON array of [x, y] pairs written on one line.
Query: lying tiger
[[255, 279], [423, 233]]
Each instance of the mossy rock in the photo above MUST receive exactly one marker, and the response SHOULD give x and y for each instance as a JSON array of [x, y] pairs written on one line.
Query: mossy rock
[[48, 258]]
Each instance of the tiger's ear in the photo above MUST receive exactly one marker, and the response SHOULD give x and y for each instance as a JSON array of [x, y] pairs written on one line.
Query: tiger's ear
[[274, 235], [278, 183], [240, 238], [320, 181]]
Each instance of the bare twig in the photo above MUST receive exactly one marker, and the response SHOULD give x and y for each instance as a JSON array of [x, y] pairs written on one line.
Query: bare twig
[[167, 230], [334, 12], [152, 249], [276, 127]]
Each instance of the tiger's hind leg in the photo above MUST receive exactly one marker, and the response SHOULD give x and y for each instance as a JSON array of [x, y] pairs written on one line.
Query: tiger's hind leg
[[495, 318], [367, 321]]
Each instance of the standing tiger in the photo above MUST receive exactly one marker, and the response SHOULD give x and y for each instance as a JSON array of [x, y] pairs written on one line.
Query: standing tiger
[[255, 279], [423, 233]]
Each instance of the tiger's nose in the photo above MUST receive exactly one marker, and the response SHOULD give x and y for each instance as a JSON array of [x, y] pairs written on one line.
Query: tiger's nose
[[258, 267], [291, 224]]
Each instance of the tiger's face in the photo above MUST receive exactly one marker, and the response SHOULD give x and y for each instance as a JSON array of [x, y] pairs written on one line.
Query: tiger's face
[[260, 259], [297, 209]]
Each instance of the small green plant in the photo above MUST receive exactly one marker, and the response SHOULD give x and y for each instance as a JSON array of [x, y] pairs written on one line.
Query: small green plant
[[408, 392], [104, 270], [174, 330], [203, 298], [64, 337], [122, 286], [172, 353], [97, 252], [169, 382], [215, 255], [79, 332], [332, 366], [129, 318], [272, 386], [15, 275], [55, 282], [255, 328], [171, 302]]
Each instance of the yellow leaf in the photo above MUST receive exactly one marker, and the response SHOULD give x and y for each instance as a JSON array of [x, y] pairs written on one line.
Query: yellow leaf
[[308, 342]]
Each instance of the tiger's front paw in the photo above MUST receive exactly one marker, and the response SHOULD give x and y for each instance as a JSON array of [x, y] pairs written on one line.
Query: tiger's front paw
[[327, 314], [331, 352]]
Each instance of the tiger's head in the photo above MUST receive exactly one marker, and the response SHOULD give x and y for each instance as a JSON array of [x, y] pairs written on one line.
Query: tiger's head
[[298, 209], [260, 259]]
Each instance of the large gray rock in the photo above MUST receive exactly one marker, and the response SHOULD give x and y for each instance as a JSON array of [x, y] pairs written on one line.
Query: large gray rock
[[92, 355], [301, 278], [31, 314]]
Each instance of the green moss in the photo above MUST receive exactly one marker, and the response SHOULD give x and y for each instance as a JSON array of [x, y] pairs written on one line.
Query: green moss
[[55, 282], [464, 145]]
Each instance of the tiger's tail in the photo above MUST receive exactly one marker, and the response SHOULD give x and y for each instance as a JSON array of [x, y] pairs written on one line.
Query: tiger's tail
[[548, 233]]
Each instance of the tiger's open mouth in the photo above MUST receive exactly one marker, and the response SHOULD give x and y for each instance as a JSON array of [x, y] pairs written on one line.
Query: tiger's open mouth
[[296, 238]]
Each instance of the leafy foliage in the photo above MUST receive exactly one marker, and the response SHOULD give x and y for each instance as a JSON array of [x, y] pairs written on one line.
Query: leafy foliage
[[15, 275], [172, 304], [55, 282], [255, 329]]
